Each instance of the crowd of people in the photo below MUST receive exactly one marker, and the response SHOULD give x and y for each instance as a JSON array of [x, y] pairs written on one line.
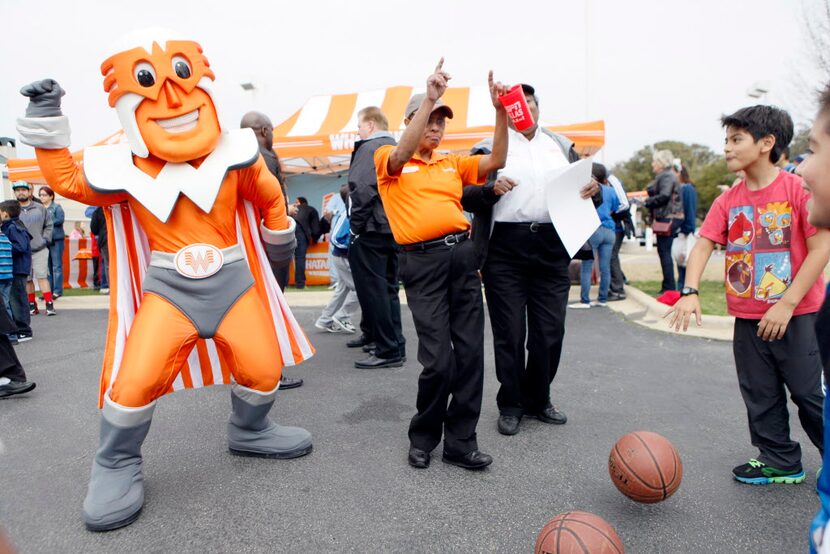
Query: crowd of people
[[404, 220]]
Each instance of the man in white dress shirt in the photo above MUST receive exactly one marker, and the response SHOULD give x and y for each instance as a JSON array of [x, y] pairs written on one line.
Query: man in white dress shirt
[[525, 271]]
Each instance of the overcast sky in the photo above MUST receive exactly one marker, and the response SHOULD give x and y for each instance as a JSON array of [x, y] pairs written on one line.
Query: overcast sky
[[652, 69]]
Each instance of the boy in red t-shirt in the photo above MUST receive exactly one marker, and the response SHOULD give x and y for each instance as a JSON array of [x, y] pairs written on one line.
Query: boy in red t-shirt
[[774, 261]]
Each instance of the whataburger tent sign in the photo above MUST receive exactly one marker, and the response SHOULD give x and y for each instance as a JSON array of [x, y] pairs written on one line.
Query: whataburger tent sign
[[320, 136]]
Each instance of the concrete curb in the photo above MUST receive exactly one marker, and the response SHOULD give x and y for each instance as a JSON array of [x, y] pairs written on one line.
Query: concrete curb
[[297, 298], [640, 308]]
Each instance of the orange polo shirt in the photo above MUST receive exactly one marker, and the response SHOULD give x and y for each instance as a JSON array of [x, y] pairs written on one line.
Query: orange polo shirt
[[423, 201]]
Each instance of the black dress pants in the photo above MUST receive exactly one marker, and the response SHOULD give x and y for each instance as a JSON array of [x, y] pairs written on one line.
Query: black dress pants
[[373, 258], [444, 295], [764, 369], [299, 259], [526, 283]]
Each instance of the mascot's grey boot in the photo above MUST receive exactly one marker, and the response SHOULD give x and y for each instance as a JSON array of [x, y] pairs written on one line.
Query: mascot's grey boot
[[116, 485], [251, 433]]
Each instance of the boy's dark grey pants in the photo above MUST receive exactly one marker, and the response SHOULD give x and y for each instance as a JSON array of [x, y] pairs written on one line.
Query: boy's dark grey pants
[[764, 369]]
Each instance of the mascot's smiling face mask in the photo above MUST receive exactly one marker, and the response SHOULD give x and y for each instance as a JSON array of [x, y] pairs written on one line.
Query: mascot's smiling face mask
[[161, 89]]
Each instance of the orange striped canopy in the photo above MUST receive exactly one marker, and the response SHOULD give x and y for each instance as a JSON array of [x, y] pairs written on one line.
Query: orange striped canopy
[[319, 137]]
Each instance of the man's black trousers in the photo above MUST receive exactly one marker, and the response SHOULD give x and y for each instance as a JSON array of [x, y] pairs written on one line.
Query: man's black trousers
[[443, 291], [373, 258], [299, 259], [526, 283]]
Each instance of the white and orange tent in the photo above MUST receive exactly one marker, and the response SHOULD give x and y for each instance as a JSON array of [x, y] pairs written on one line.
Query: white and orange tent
[[319, 137]]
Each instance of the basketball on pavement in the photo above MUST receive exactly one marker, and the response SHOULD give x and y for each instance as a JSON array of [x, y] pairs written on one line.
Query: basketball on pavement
[[645, 467], [578, 533]]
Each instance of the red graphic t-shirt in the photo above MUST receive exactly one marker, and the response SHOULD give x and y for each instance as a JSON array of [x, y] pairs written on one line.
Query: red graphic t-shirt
[[765, 233]]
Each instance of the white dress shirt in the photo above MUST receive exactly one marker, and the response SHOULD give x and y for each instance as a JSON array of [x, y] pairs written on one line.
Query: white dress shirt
[[527, 163]]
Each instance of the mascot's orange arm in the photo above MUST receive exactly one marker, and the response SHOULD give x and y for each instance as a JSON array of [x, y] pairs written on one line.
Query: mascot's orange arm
[[263, 190], [67, 178]]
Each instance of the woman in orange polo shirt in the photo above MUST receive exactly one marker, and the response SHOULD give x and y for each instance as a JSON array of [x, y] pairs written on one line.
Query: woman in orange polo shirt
[[421, 193]]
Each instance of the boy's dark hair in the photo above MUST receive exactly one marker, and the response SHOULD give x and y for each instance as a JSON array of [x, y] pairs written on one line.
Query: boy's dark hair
[[11, 207], [302, 200], [760, 121], [599, 172], [824, 104]]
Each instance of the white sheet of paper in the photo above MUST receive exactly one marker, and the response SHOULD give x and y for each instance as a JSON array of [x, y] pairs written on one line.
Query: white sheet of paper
[[574, 217]]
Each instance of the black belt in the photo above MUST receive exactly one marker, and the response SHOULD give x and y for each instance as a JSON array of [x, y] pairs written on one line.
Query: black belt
[[532, 227], [449, 240]]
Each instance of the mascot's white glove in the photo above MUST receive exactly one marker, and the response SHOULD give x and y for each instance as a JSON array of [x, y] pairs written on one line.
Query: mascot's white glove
[[280, 245], [44, 125]]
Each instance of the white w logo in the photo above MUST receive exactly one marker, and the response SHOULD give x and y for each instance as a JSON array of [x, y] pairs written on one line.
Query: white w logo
[[199, 262]]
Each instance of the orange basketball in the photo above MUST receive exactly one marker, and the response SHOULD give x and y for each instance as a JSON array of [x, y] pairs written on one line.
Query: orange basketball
[[645, 467], [578, 533]]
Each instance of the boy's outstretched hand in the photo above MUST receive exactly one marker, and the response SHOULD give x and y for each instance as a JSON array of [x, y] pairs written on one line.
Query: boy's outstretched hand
[[774, 323], [682, 312]]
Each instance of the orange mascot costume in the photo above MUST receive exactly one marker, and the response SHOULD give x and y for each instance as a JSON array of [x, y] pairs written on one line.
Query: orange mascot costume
[[194, 300]]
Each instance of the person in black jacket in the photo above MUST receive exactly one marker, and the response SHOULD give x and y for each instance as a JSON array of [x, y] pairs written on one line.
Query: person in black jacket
[[525, 270], [98, 227], [261, 125], [308, 232], [373, 254], [666, 205]]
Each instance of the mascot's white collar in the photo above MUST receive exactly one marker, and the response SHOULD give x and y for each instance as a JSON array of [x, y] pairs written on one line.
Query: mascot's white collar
[[110, 168]]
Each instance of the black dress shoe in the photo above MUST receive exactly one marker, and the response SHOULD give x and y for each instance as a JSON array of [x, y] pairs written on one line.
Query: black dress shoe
[[615, 296], [418, 458], [16, 387], [549, 415], [373, 352], [358, 342], [290, 382], [373, 362], [369, 347], [508, 424], [471, 460]]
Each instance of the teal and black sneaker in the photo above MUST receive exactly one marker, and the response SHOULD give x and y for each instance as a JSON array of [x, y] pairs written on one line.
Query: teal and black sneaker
[[758, 473]]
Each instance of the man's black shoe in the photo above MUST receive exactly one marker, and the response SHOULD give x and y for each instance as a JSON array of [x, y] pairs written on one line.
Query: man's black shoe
[[290, 382], [373, 352], [471, 460], [358, 342], [16, 387], [418, 458], [549, 415], [369, 347], [508, 424], [373, 362]]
